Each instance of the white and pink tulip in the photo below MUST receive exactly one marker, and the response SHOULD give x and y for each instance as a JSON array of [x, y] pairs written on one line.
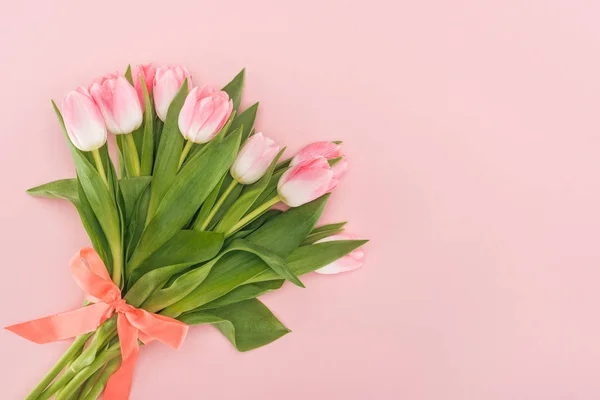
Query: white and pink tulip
[[254, 159], [147, 72], [306, 181], [119, 104], [203, 114], [83, 120], [167, 81]]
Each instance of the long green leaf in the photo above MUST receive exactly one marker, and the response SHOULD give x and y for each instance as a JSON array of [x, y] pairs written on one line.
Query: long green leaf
[[281, 235], [235, 87], [244, 292], [186, 283], [306, 259], [61, 189], [93, 228], [247, 325], [246, 120], [168, 153], [132, 189], [190, 188], [324, 231], [185, 247], [147, 155]]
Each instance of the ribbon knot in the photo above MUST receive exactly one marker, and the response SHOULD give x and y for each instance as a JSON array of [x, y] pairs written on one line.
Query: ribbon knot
[[121, 306], [132, 323]]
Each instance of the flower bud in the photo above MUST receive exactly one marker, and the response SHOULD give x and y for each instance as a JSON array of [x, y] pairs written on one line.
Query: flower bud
[[306, 181], [254, 159], [147, 71], [203, 114], [83, 121], [167, 82], [118, 103], [329, 150]]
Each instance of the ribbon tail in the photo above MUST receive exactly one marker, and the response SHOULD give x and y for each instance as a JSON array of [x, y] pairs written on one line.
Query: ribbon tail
[[119, 384], [63, 326]]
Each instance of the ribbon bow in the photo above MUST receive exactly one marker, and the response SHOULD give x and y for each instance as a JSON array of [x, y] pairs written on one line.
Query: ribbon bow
[[132, 323]]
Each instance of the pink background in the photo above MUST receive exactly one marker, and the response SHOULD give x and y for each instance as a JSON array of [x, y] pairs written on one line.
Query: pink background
[[473, 131]]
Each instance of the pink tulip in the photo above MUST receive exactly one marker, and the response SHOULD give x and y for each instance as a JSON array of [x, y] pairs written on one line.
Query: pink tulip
[[349, 262], [83, 121], [118, 103], [306, 181], [329, 150], [203, 114], [254, 159], [167, 82], [147, 71], [339, 168]]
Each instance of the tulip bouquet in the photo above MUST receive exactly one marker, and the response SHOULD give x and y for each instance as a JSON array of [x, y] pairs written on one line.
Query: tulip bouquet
[[185, 232]]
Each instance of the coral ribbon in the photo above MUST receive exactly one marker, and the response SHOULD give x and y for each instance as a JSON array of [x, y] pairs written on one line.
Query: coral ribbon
[[132, 323]]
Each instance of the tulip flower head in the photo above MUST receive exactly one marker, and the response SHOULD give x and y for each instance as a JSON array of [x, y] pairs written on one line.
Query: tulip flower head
[[349, 262], [147, 72], [167, 82], [204, 113], [306, 182], [118, 103], [329, 150], [83, 120], [254, 159]]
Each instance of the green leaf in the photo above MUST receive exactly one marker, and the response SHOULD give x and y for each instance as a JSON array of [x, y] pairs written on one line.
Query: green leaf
[[132, 189], [306, 259], [93, 228], [244, 292], [185, 247], [207, 205], [150, 282], [168, 153], [190, 188], [137, 222], [246, 120], [147, 158], [231, 198], [61, 189], [128, 75], [186, 283], [248, 197], [281, 235], [269, 191], [234, 89], [254, 225], [121, 158], [323, 231], [247, 325]]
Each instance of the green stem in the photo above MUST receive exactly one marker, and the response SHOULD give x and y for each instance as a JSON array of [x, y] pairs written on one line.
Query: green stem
[[88, 371], [253, 215], [132, 156], [90, 383], [66, 358], [218, 205], [100, 166], [112, 367], [106, 332], [184, 153]]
